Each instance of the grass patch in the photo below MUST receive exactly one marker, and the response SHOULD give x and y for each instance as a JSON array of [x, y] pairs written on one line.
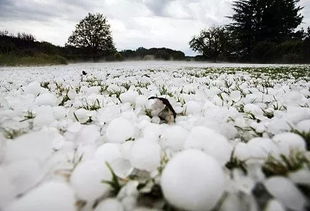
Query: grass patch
[[39, 59]]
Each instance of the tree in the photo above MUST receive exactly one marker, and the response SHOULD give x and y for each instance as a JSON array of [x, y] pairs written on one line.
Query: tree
[[212, 43], [93, 35], [257, 21]]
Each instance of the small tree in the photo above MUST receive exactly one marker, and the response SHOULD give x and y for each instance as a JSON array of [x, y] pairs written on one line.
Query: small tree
[[93, 35], [212, 43]]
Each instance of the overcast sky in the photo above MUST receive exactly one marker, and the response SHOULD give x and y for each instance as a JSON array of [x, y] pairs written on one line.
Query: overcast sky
[[134, 23]]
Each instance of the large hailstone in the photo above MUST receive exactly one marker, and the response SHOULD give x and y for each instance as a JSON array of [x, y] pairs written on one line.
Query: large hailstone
[[193, 180], [211, 142], [110, 204], [50, 196], [46, 99], [34, 145], [287, 142], [286, 192], [145, 155], [119, 130], [87, 178], [174, 137]]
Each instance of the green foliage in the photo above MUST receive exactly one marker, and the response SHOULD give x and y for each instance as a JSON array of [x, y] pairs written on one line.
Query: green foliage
[[114, 183], [39, 59], [264, 20], [285, 164], [213, 43]]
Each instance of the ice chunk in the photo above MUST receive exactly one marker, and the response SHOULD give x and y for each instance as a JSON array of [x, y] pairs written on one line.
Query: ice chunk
[[33, 88], [193, 180], [46, 99], [24, 174], [211, 142], [7, 190], [304, 126], [274, 205], [119, 130], [44, 115], [174, 137], [261, 148], [49, 196], [87, 178], [300, 177], [289, 141], [129, 97], [108, 152], [35, 145], [109, 204], [193, 107], [145, 155], [87, 135], [286, 192], [82, 115]]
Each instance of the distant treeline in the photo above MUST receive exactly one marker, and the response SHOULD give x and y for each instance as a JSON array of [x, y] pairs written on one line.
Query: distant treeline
[[23, 49], [152, 53]]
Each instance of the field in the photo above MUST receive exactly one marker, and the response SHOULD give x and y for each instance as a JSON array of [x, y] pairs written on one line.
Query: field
[[71, 141]]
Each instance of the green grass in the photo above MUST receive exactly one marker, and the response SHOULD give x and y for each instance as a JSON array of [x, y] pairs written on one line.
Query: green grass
[[35, 60]]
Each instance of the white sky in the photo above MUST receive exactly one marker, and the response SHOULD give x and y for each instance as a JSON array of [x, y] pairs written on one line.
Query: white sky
[[134, 23]]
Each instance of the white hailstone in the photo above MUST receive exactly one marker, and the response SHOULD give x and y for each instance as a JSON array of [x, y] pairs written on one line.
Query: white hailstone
[[274, 205], [300, 177], [193, 180], [129, 96], [210, 142], [174, 137], [122, 167], [46, 99], [235, 95], [296, 114], [71, 93], [254, 109], [152, 131], [24, 174], [193, 107], [33, 88], [119, 130], [108, 113], [44, 115], [7, 190], [304, 126], [88, 134], [49, 196], [82, 115], [289, 141], [294, 98], [110, 204], [278, 125], [87, 178], [242, 151], [286, 192], [145, 155], [141, 100], [126, 149], [262, 148], [108, 152], [59, 112], [34, 145]]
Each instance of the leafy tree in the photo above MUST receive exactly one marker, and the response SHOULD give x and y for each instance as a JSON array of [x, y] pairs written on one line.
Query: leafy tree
[[93, 35], [264, 20], [213, 43]]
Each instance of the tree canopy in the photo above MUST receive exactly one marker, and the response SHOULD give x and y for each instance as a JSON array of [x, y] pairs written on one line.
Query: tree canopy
[[260, 31], [212, 43], [93, 33], [264, 20]]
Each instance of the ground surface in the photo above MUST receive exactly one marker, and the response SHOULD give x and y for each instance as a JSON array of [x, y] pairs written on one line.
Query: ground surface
[[70, 141]]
